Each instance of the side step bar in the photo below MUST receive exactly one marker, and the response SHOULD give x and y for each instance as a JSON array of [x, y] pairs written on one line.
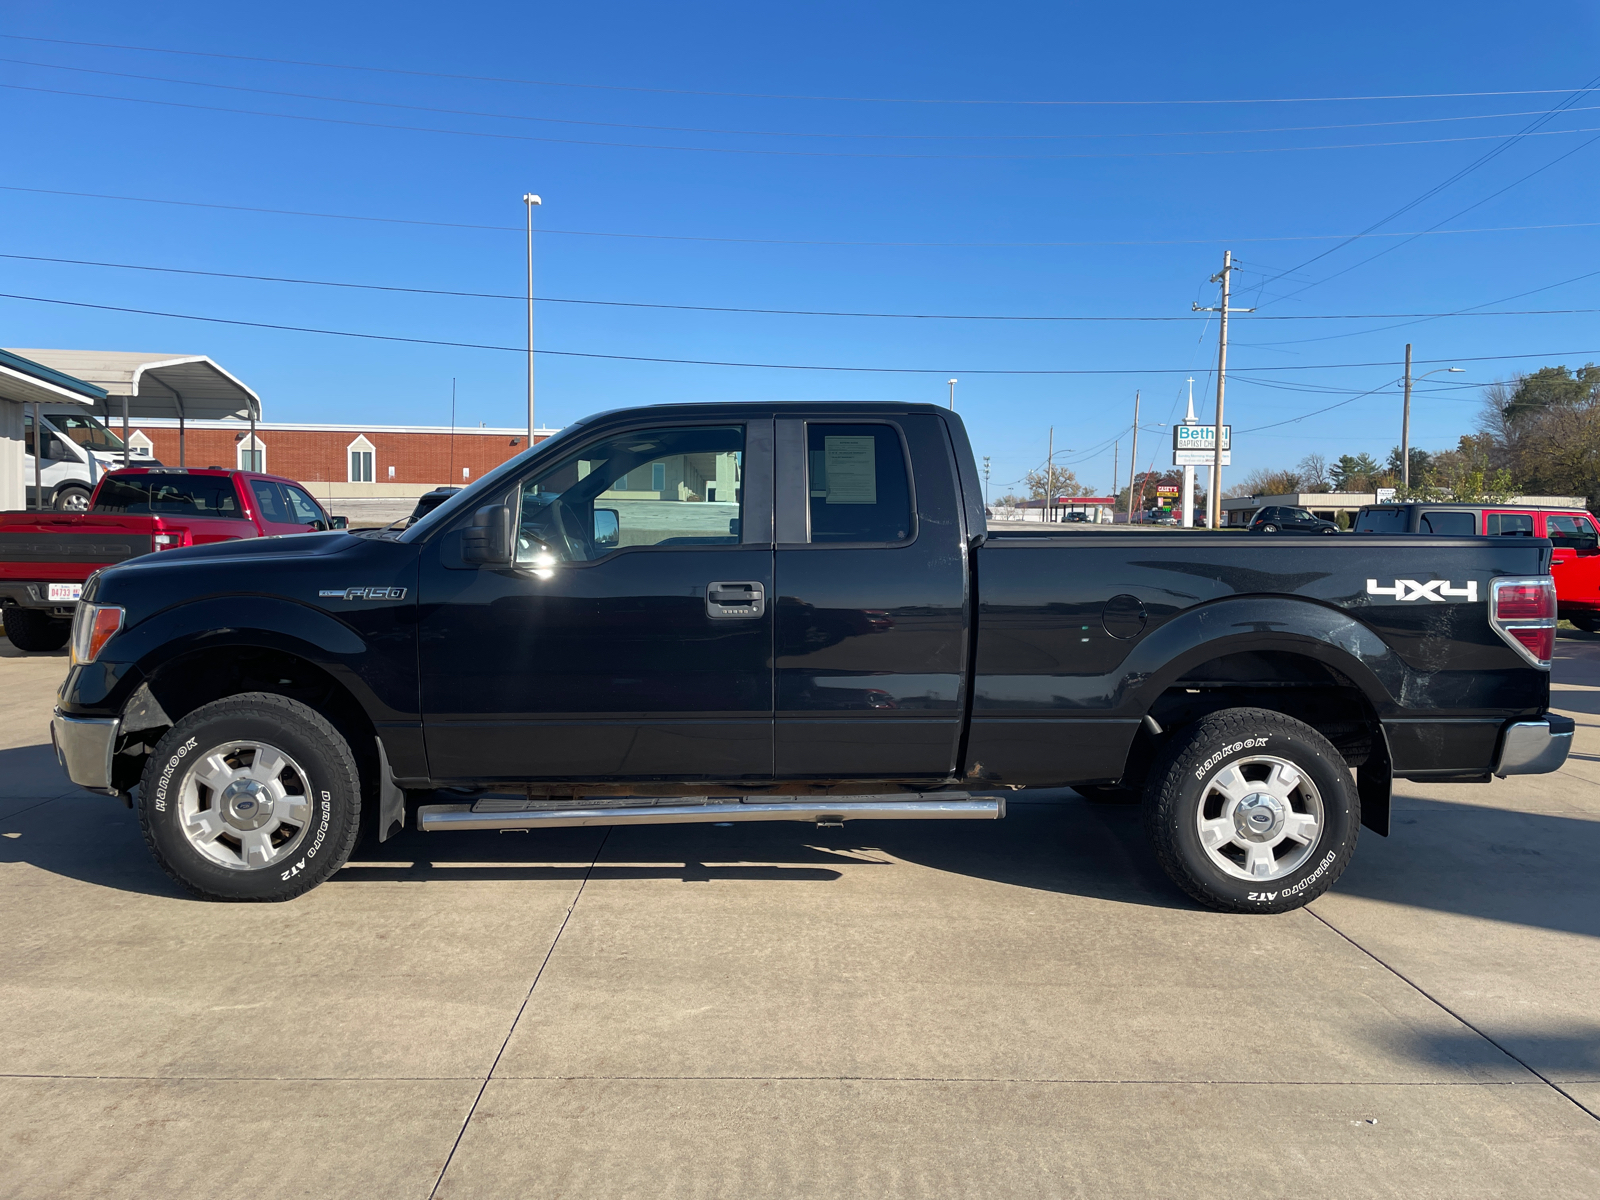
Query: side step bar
[[826, 810]]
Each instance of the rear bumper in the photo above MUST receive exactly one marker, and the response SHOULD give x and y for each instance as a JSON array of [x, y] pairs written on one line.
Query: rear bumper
[[37, 595], [84, 746], [1535, 747]]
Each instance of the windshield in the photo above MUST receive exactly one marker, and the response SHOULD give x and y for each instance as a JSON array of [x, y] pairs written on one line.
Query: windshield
[[470, 495], [168, 495], [87, 431]]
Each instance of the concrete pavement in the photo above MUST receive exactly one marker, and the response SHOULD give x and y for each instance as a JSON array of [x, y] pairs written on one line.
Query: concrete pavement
[[1022, 1009]]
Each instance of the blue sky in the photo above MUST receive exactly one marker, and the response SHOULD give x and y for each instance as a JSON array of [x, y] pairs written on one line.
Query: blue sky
[[826, 141]]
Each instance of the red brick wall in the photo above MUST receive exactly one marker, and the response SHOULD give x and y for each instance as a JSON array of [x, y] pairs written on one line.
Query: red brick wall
[[320, 455]]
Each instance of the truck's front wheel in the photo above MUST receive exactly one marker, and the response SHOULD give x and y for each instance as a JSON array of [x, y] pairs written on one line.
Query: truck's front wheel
[[1252, 811], [255, 797]]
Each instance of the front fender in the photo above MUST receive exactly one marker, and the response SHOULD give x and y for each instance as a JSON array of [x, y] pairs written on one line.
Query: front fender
[[262, 622]]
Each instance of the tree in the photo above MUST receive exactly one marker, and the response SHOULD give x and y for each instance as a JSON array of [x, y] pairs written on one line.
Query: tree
[[1355, 473], [1543, 429], [1265, 481], [1421, 461], [1051, 481], [1313, 473]]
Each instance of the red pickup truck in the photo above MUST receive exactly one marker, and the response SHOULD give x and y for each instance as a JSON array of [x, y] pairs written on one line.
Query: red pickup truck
[[45, 557]]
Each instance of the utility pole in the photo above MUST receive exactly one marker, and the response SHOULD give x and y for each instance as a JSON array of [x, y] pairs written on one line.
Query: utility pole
[[1188, 471], [1116, 473], [1405, 429], [1133, 456], [531, 201], [953, 383], [1049, 473], [452, 427], [1223, 277]]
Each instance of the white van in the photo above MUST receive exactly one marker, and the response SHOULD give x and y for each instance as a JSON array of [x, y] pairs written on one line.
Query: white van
[[78, 449]]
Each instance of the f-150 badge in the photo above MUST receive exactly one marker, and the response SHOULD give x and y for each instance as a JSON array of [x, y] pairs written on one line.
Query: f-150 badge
[[366, 593], [1440, 590]]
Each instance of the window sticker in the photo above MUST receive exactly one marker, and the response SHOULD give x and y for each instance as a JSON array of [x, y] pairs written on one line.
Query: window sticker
[[852, 476]]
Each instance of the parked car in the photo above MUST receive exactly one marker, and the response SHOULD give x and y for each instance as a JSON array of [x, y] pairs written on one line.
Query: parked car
[[1276, 518], [427, 502], [755, 612], [1572, 534], [78, 452], [46, 557]]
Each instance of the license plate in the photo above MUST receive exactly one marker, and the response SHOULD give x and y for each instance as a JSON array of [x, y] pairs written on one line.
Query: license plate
[[65, 591]]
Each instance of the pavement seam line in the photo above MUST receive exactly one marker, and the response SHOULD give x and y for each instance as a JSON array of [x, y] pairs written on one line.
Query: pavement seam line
[[937, 1079], [1432, 999], [521, 1008]]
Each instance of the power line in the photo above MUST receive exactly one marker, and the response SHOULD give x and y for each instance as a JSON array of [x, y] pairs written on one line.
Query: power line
[[787, 312], [1477, 204], [1482, 160], [505, 116], [604, 87], [678, 237], [526, 137], [696, 362]]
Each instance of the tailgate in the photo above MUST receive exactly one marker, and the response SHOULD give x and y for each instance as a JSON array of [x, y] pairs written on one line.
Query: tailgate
[[90, 547]]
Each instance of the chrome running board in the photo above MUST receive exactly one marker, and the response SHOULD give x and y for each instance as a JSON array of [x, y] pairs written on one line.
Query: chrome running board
[[682, 810]]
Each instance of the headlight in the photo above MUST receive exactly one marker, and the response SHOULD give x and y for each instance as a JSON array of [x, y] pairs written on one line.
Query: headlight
[[92, 627]]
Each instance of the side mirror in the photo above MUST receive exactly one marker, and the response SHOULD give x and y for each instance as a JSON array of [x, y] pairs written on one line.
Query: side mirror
[[338, 522], [487, 541], [607, 529]]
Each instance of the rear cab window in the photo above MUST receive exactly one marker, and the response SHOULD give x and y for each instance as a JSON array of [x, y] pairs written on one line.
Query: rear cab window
[[858, 484], [169, 495], [1451, 524], [1381, 520], [1508, 524]]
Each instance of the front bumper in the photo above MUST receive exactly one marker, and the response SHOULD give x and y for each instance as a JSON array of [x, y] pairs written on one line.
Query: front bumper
[[84, 746], [1535, 747]]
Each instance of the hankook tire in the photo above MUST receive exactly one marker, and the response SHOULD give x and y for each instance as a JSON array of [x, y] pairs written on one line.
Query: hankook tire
[[254, 797], [1252, 811]]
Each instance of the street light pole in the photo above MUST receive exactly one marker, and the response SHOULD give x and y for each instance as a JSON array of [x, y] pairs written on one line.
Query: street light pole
[[531, 201], [953, 383], [1405, 419]]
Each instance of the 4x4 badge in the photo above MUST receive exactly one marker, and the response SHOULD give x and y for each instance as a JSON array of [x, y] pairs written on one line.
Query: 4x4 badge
[[1438, 590], [366, 593]]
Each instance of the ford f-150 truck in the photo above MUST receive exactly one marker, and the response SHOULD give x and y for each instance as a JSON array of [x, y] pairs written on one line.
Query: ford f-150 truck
[[757, 612], [45, 557]]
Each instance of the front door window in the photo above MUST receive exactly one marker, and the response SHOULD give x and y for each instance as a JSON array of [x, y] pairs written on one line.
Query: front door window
[[656, 487]]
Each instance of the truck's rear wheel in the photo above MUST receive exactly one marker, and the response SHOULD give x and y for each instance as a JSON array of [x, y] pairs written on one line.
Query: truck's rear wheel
[[1252, 811], [255, 797], [30, 629], [1589, 622]]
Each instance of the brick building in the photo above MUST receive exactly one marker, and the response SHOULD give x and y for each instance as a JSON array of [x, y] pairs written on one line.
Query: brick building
[[338, 461]]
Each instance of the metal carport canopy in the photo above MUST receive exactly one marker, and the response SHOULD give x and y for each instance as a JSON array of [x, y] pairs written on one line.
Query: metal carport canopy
[[187, 386]]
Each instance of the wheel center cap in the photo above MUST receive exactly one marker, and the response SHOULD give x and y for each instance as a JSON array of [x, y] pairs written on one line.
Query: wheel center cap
[[1259, 817], [245, 804]]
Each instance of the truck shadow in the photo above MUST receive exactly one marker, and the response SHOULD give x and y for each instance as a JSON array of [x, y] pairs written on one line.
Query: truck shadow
[[1534, 869]]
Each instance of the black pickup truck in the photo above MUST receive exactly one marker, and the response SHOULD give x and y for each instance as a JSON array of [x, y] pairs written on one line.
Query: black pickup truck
[[795, 612]]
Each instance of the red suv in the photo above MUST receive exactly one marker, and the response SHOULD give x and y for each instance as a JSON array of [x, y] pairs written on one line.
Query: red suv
[[1575, 560]]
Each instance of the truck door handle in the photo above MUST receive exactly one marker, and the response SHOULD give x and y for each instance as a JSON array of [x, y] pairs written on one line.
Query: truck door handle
[[735, 599]]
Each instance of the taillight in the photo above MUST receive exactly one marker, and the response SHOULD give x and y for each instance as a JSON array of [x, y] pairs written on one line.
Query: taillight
[[1523, 612], [92, 627]]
